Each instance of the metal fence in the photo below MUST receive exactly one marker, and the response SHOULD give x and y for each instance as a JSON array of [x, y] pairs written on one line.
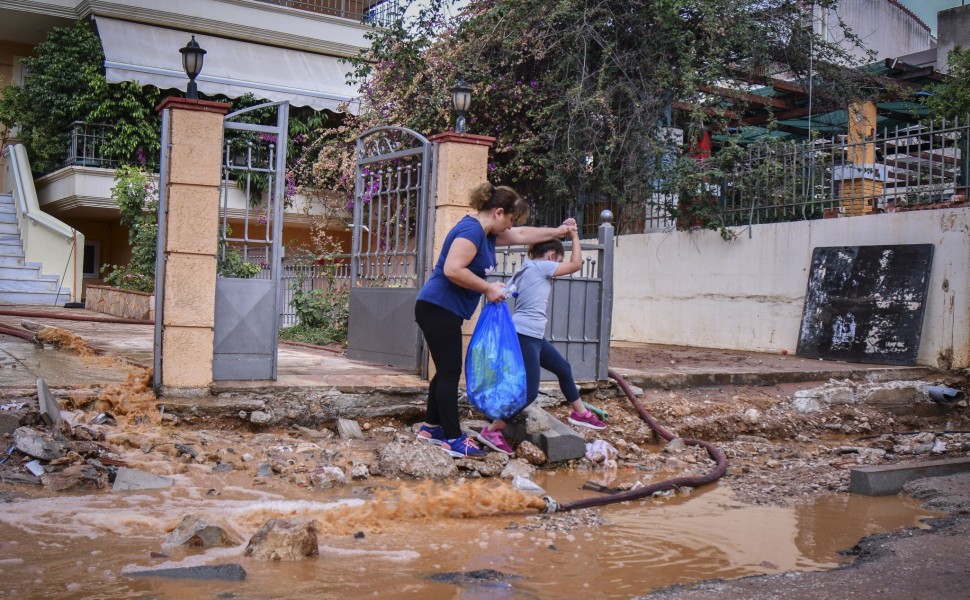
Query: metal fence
[[85, 147], [905, 167], [311, 277], [381, 12]]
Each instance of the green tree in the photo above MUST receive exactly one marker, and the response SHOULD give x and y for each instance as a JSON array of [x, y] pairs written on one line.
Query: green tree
[[65, 82], [951, 99], [574, 90]]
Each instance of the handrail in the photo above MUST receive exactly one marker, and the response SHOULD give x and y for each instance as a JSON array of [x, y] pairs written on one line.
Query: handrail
[[46, 240]]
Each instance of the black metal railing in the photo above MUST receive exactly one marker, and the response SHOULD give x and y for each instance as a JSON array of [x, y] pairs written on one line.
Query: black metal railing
[[85, 146], [381, 12]]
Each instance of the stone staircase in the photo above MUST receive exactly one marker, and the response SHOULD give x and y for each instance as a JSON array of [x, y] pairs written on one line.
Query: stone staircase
[[20, 282]]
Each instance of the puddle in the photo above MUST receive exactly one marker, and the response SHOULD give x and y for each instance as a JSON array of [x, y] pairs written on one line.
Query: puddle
[[80, 546]]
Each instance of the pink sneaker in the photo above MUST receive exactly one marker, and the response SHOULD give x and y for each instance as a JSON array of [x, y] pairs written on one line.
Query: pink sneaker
[[588, 420], [494, 440]]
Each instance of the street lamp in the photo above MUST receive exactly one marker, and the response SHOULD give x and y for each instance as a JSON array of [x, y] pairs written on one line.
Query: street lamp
[[192, 55], [461, 99]]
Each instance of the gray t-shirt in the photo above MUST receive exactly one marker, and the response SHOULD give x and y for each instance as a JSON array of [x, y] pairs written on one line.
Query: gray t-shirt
[[534, 282]]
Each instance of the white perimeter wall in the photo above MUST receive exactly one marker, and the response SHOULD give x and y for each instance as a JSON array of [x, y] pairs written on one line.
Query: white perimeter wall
[[694, 288]]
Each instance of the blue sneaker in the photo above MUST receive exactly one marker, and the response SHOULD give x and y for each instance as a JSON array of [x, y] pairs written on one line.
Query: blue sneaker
[[432, 435], [462, 447]]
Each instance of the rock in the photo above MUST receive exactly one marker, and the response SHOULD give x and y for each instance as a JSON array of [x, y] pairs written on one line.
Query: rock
[[196, 532], [327, 477], [260, 417], [128, 480], [264, 470], [359, 471], [805, 404], [536, 420], [751, 416], [281, 539], [524, 484], [308, 448], [8, 423], [415, 459], [675, 446], [531, 453], [348, 429], [517, 467], [38, 444]]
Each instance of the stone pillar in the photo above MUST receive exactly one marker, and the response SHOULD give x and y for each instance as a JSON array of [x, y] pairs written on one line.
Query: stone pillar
[[190, 243], [461, 163], [862, 179]]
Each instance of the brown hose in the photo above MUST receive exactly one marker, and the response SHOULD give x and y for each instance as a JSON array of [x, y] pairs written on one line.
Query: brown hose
[[21, 333], [67, 317], [660, 486]]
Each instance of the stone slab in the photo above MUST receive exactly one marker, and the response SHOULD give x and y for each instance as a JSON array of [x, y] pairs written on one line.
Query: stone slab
[[227, 572], [129, 480], [50, 410], [886, 480], [560, 442]]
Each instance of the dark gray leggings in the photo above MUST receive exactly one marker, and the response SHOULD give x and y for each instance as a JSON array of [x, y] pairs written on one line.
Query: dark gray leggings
[[539, 352]]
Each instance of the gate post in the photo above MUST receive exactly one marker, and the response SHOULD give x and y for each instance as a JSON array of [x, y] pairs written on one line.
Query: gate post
[[186, 282], [460, 164]]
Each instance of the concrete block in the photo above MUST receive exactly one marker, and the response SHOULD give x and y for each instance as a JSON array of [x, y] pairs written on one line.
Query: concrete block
[[889, 479], [50, 410], [129, 480], [560, 442]]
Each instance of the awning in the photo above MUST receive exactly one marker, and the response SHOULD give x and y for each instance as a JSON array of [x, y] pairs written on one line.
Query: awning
[[150, 55]]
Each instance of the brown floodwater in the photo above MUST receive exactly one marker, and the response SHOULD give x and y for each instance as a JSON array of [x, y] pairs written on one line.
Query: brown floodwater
[[87, 546]]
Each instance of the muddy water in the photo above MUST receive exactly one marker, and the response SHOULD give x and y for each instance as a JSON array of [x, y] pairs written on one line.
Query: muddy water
[[90, 546]]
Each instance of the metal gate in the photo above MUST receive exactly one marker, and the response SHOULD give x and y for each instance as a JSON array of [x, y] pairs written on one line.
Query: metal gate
[[389, 247], [580, 307], [247, 318]]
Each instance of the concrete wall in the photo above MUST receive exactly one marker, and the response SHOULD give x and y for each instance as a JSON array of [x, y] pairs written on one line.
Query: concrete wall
[[694, 288], [884, 26], [953, 29]]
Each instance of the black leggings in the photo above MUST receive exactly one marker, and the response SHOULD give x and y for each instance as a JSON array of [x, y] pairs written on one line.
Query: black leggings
[[442, 332]]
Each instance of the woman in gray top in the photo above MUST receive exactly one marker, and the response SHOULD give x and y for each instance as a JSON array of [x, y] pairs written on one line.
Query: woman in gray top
[[533, 282]]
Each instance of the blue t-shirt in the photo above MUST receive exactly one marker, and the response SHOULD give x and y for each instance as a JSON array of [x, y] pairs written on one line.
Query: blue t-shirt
[[440, 290]]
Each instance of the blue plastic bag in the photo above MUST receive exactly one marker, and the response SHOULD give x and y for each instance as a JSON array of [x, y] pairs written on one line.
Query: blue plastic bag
[[494, 369]]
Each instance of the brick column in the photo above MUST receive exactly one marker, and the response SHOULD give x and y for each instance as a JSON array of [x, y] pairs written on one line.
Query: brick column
[[461, 163], [190, 244]]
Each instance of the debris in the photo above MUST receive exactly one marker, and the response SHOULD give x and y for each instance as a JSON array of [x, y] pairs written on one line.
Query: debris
[[281, 539], [327, 477], [416, 460], [196, 532], [128, 480], [104, 417], [526, 485], [348, 429], [37, 444], [35, 468]]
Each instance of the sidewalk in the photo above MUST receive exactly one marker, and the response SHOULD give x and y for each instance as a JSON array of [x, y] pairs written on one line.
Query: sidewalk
[[302, 367]]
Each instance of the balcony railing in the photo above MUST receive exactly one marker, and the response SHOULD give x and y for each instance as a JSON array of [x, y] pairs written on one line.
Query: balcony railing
[[380, 12], [85, 146]]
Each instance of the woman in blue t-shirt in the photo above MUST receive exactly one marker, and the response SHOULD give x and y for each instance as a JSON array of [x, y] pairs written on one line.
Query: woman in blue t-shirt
[[452, 293]]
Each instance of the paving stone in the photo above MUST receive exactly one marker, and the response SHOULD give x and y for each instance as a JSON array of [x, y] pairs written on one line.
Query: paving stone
[[560, 442]]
